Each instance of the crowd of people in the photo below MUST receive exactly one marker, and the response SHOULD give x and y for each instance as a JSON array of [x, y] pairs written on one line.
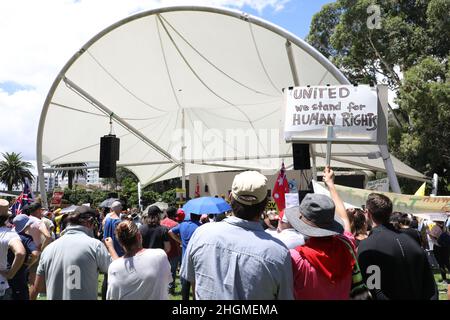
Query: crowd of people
[[316, 250]]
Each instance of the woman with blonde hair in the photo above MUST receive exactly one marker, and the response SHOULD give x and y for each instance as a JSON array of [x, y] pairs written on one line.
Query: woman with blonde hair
[[141, 274]]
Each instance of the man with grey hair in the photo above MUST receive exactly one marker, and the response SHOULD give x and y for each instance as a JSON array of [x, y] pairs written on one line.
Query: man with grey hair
[[69, 266], [236, 259], [110, 223]]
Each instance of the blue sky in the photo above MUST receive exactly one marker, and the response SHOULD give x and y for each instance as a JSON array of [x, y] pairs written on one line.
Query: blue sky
[[10, 87], [295, 16]]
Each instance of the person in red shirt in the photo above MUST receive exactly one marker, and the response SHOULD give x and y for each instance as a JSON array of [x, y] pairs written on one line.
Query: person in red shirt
[[322, 267], [174, 254]]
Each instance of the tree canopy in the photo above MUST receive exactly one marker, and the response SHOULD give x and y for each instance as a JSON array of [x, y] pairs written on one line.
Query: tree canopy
[[404, 44], [14, 171]]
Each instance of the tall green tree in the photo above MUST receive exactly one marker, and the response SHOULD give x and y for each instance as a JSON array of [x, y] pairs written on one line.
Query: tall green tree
[[425, 96], [407, 47], [14, 171], [71, 174]]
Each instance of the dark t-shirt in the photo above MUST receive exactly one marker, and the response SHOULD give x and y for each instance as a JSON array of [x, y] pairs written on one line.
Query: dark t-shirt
[[413, 233], [21, 276], [403, 271], [154, 237]]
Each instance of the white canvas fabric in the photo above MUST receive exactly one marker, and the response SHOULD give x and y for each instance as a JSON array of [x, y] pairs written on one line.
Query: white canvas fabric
[[223, 69]]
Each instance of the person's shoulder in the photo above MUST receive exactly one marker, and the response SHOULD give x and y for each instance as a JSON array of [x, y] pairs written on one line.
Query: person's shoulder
[[155, 254], [50, 249], [212, 227], [9, 234], [116, 265]]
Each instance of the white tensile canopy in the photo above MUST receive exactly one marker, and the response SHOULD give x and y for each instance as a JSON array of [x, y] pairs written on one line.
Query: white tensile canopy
[[217, 73]]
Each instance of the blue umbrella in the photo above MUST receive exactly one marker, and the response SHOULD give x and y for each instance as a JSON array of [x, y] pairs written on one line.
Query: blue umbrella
[[206, 205]]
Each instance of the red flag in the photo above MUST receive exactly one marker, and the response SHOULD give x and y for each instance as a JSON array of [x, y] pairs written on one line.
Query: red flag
[[281, 187], [197, 189]]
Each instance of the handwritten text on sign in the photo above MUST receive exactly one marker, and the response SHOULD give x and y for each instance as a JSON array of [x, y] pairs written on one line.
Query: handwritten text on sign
[[350, 110]]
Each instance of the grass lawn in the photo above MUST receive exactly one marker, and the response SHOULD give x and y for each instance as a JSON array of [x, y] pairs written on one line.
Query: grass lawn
[[177, 296], [441, 287]]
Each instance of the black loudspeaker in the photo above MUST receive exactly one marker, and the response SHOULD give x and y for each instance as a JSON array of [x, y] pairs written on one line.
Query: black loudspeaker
[[109, 155], [300, 152]]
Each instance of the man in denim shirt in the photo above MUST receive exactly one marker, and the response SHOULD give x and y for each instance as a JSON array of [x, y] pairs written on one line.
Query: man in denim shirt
[[235, 259]]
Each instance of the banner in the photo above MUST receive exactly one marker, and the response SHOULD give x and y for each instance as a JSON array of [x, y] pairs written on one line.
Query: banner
[[401, 202], [321, 189], [350, 110]]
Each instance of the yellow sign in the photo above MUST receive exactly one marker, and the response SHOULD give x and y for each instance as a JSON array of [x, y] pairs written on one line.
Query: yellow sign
[[180, 195], [271, 205]]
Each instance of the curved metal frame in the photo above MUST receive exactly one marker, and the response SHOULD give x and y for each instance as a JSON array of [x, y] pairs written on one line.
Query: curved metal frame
[[229, 12]]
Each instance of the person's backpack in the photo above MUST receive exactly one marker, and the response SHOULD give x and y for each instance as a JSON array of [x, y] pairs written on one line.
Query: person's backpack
[[358, 289], [444, 240]]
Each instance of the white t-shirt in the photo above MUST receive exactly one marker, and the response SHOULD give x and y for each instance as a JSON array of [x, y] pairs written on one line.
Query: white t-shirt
[[290, 237], [6, 236], [146, 276]]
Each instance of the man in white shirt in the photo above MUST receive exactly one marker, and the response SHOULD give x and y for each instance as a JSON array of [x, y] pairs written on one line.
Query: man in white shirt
[[69, 266], [286, 233], [8, 240]]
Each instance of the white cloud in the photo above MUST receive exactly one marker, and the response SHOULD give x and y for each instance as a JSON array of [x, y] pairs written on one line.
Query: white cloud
[[38, 37]]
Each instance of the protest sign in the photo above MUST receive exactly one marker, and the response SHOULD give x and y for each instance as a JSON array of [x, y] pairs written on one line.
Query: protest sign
[[180, 196], [378, 185], [351, 112], [291, 200], [57, 198], [401, 202]]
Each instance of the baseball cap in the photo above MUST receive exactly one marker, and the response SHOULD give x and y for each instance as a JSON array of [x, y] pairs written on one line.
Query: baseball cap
[[249, 188], [4, 205], [21, 221], [180, 215]]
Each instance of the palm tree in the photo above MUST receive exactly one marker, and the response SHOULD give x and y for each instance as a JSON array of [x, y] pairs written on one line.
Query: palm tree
[[71, 173], [13, 170]]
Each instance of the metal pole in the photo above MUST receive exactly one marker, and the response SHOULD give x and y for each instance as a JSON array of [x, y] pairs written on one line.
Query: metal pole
[[122, 122], [292, 63], [183, 147], [97, 166], [313, 156], [389, 168], [434, 191], [162, 174], [139, 196], [329, 137]]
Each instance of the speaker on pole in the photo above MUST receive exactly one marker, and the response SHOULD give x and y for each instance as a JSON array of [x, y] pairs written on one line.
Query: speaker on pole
[[109, 155], [300, 153]]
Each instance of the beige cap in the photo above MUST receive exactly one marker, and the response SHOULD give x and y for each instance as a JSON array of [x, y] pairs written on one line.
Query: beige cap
[[249, 188], [4, 206]]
